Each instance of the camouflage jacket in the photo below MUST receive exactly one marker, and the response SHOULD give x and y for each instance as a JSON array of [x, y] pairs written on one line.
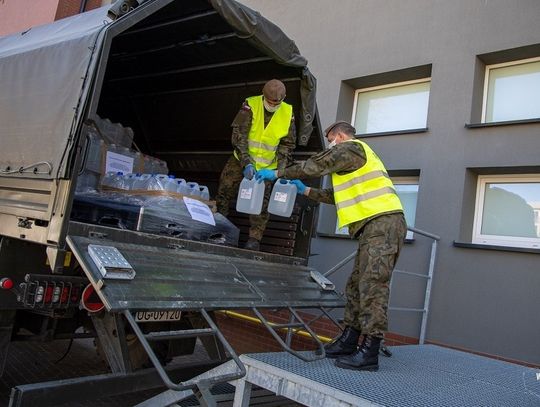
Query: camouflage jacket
[[342, 159], [241, 126]]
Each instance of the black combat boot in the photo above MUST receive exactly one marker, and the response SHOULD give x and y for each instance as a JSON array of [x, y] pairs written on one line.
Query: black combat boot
[[344, 344], [252, 244], [365, 358]]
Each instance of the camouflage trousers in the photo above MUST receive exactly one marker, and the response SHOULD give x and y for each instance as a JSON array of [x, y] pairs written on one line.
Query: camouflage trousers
[[368, 287], [229, 182]]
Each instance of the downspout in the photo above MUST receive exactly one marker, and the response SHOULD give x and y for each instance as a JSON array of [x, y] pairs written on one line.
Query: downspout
[[83, 6]]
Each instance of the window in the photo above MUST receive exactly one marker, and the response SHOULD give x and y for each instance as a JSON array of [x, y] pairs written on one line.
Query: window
[[407, 190], [512, 91], [507, 211], [395, 107]]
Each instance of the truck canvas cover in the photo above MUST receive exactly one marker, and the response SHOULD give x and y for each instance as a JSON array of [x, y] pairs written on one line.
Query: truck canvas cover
[[43, 77], [47, 74]]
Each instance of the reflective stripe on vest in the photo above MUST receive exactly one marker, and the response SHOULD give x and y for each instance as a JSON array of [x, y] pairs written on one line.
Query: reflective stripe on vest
[[366, 192], [264, 141]]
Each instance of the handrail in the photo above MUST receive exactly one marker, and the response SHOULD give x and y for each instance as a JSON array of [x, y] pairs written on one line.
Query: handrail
[[299, 332], [424, 233], [428, 276], [353, 254], [319, 353]]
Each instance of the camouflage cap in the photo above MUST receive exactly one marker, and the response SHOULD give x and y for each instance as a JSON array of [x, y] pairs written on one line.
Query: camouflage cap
[[274, 90], [340, 123]]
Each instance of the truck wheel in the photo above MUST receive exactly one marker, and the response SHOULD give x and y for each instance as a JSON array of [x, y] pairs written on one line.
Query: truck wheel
[[137, 355]]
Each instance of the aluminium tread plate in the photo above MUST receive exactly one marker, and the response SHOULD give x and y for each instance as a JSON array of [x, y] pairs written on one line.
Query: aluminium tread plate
[[416, 375], [224, 395], [181, 279]]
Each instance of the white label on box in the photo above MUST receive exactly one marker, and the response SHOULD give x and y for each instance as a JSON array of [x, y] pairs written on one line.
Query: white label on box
[[280, 196], [245, 193], [118, 162], [199, 211]]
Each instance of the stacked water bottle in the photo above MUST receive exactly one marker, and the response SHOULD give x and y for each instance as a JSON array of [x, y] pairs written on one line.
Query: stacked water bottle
[[154, 182]]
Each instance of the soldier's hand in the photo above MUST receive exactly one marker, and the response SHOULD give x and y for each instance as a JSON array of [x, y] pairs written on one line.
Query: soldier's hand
[[249, 171], [300, 186], [265, 175]]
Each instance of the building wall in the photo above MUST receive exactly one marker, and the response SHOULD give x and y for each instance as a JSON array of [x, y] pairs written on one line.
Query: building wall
[[68, 8], [20, 15], [482, 300]]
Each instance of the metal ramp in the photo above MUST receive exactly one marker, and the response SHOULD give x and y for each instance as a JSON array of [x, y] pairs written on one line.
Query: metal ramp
[[417, 375], [168, 277]]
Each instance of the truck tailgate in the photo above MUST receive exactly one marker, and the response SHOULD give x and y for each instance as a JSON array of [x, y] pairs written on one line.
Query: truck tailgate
[[169, 278]]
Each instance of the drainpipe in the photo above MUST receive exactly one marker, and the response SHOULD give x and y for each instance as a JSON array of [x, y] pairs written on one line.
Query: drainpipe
[[83, 6]]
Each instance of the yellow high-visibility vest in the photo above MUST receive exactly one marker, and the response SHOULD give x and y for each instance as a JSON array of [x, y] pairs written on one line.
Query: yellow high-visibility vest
[[263, 142], [366, 192]]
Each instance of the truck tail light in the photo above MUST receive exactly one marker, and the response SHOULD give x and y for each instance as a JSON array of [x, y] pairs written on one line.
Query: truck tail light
[[6, 283], [51, 293]]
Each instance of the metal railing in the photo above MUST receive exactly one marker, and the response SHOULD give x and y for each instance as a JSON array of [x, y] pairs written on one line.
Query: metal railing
[[428, 277]]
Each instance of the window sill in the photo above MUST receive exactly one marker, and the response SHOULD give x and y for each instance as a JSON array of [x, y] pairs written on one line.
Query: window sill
[[331, 235], [322, 234], [393, 133], [497, 124], [466, 245]]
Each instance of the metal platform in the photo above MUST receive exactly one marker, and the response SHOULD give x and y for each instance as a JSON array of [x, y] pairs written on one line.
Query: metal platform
[[416, 375]]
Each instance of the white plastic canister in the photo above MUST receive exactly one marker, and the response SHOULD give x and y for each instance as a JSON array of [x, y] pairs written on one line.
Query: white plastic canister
[[282, 198], [250, 196]]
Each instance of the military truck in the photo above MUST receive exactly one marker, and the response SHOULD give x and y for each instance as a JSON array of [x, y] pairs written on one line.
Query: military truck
[[172, 75]]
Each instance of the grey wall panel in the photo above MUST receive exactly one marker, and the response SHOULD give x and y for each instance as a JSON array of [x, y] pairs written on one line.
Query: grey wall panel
[[482, 300]]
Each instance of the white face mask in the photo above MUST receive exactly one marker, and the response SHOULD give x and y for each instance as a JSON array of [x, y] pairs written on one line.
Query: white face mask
[[269, 108], [332, 144]]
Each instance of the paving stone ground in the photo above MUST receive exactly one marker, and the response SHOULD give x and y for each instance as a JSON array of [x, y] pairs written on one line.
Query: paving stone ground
[[31, 362]]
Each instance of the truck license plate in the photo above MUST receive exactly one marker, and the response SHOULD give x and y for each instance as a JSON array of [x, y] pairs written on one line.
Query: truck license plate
[[153, 316]]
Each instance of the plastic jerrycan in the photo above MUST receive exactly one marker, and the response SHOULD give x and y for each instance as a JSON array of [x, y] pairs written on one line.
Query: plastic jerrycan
[[193, 189], [282, 198], [118, 181], [250, 196], [141, 182], [108, 179], [181, 186], [170, 184], [129, 179], [205, 194]]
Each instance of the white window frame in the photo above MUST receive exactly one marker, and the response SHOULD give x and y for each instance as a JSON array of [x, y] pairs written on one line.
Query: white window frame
[[486, 79], [408, 181], [390, 85], [496, 240]]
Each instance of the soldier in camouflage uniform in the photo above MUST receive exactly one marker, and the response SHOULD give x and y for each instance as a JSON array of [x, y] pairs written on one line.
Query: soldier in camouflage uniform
[[245, 160], [367, 203]]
